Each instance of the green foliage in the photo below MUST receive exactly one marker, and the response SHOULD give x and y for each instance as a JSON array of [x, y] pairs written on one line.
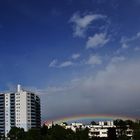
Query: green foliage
[[136, 132], [123, 137], [82, 134], [120, 124], [112, 134], [98, 138], [44, 130], [59, 133], [16, 134], [33, 134], [93, 123], [130, 124], [121, 128]]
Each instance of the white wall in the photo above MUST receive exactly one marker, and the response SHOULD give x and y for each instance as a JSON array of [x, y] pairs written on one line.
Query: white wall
[[7, 113], [21, 110]]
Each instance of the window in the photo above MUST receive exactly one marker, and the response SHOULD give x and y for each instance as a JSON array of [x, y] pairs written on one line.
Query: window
[[104, 132], [96, 133], [129, 132]]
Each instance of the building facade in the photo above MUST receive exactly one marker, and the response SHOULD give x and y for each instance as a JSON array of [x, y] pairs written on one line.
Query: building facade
[[100, 129], [20, 109]]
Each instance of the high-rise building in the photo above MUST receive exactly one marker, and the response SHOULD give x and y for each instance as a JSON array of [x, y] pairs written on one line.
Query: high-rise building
[[20, 109]]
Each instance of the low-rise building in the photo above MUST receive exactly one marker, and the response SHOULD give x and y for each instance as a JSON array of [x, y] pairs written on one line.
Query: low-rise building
[[99, 129]]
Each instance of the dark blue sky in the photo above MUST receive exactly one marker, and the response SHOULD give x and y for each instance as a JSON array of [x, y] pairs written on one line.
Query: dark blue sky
[[54, 47]]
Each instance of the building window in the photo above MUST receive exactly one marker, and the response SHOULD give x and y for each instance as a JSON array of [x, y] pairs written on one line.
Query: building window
[[104, 132]]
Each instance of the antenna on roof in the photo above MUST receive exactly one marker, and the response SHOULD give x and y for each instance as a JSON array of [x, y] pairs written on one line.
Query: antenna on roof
[[18, 88]]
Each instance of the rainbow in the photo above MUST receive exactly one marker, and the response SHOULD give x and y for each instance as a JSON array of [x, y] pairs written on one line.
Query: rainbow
[[94, 117]]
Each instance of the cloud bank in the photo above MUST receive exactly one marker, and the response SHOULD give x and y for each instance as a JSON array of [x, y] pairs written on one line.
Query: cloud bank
[[113, 90]]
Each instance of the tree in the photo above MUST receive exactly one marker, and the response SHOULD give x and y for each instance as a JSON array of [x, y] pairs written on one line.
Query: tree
[[112, 134], [57, 132], [136, 132], [82, 134], [93, 123], [44, 130], [129, 124], [121, 127], [16, 133], [33, 134], [65, 123]]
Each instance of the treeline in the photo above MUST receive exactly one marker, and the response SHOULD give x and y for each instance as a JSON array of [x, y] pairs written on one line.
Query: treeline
[[57, 132]]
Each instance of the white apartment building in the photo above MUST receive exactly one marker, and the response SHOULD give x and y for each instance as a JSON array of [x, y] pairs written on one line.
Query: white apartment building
[[20, 109]]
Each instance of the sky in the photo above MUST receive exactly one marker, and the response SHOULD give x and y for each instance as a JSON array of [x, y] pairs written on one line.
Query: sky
[[79, 56]]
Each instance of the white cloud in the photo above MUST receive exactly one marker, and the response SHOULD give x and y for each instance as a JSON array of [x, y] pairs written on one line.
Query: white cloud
[[138, 34], [94, 60], [81, 23], [125, 46], [137, 48], [125, 41], [129, 43], [75, 56], [53, 63], [98, 40], [117, 59], [65, 64]]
